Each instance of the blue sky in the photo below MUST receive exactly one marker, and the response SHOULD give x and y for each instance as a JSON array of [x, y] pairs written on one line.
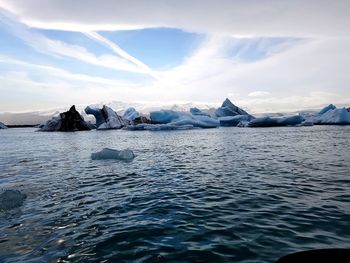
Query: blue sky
[[55, 54]]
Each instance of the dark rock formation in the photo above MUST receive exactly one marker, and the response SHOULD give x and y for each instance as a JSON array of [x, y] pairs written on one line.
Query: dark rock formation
[[67, 121]]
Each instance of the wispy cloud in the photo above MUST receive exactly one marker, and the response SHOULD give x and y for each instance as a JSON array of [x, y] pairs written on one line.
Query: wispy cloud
[[121, 52], [45, 45]]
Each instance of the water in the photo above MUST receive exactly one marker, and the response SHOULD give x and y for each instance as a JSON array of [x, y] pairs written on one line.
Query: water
[[218, 195]]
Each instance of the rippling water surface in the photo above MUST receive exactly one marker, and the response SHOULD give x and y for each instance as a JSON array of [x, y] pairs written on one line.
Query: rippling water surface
[[218, 195]]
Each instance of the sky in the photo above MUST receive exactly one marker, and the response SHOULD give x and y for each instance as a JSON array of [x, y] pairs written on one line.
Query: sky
[[266, 56]]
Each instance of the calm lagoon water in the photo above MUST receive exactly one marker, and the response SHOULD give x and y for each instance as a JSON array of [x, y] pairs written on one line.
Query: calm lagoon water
[[218, 195]]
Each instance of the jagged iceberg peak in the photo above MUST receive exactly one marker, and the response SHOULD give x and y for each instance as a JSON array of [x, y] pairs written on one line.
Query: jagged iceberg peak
[[70, 120], [327, 108], [333, 117], [106, 118], [229, 109], [2, 126]]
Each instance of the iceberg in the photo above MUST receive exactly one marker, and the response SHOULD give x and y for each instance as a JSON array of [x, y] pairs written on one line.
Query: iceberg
[[276, 121], [233, 121], [130, 114], [67, 121], [106, 118], [159, 127], [333, 117], [329, 115], [178, 118], [2, 126], [229, 109], [10, 199], [107, 153]]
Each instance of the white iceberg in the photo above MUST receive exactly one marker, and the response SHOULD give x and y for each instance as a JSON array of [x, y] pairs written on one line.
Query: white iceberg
[[276, 121], [106, 118], [107, 153], [178, 118], [329, 115], [10, 199], [333, 117], [2, 126]]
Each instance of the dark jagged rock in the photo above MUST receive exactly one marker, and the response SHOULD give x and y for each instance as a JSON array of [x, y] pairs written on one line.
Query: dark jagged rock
[[67, 121], [106, 118], [142, 120], [229, 109], [348, 109]]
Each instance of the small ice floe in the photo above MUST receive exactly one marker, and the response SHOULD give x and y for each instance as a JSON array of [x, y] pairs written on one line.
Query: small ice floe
[[106, 153], [10, 199]]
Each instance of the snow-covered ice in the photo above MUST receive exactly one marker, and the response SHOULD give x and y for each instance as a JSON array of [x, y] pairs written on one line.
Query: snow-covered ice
[[107, 153]]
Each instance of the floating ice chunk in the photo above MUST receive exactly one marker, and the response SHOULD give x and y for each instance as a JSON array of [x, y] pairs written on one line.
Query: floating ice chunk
[[233, 121], [276, 121], [10, 199], [107, 153], [2, 126], [130, 114], [182, 118]]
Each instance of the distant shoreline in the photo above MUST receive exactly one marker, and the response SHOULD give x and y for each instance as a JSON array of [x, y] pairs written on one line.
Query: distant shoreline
[[22, 126]]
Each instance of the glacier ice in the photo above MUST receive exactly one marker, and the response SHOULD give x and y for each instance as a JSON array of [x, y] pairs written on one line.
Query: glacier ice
[[130, 114], [183, 118], [327, 108], [10, 199], [107, 153], [70, 120], [329, 115], [2, 126], [229, 109], [276, 121], [333, 117], [233, 121], [196, 111], [106, 118]]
